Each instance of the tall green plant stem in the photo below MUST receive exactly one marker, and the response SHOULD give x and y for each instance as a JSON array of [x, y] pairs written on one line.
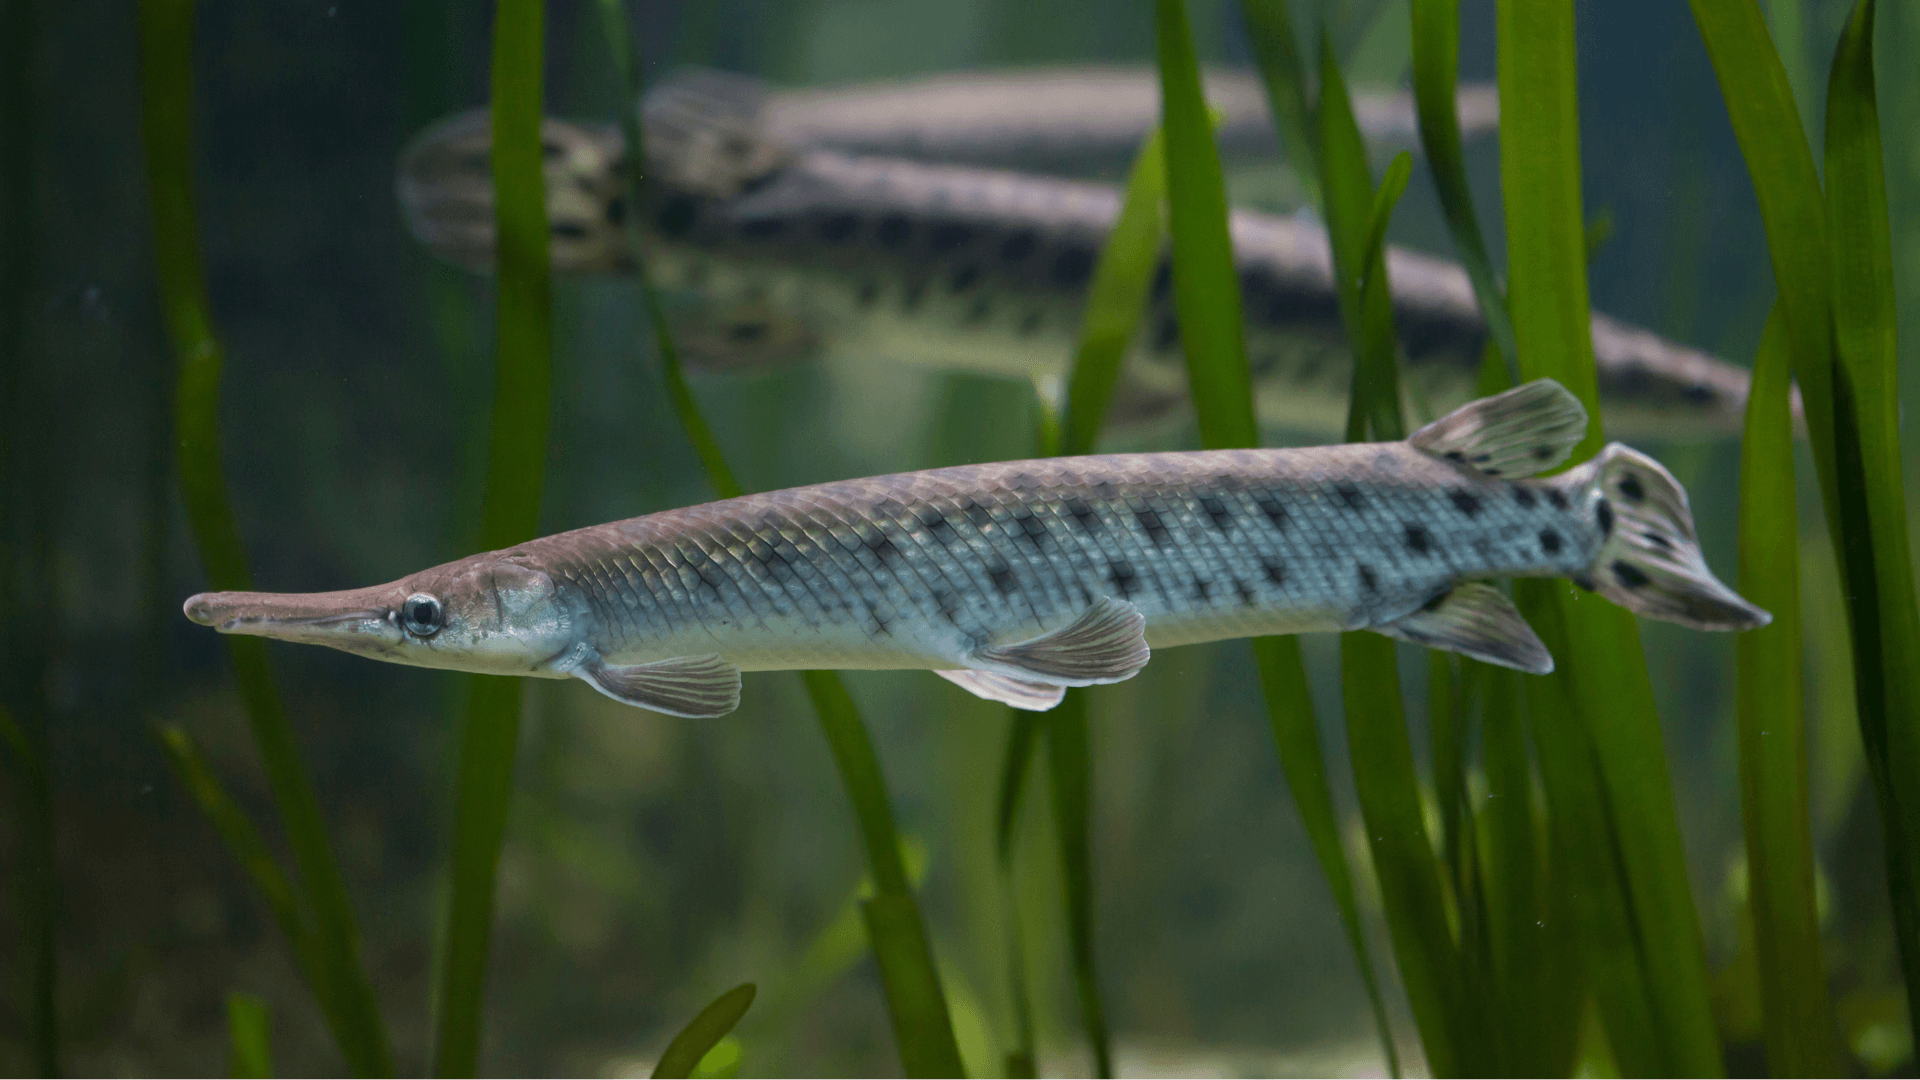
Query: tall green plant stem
[[917, 1005], [516, 467], [1207, 297], [1603, 674], [166, 38]]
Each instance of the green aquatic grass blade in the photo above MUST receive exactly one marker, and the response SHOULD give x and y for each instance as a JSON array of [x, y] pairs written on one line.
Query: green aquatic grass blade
[[916, 1003], [1799, 1030], [1766, 122], [1388, 787], [1023, 733], [1865, 320], [1122, 278], [1384, 776], [249, 1035], [1602, 667], [1069, 772], [244, 841], [1276, 53], [1436, 77], [166, 39], [704, 1032], [1207, 296], [516, 469]]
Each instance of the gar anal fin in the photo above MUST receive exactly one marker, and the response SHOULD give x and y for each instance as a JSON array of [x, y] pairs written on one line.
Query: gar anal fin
[[700, 687], [1475, 620], [1019, 693]]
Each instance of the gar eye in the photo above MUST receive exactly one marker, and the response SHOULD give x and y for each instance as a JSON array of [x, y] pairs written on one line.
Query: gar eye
[[421, 615]]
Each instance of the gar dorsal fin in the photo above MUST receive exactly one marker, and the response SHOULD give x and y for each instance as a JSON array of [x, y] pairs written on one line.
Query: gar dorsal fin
[[694, 686], [1475, 620], [1005, 689], [706, 134], [1527, 430], [1106, 644]]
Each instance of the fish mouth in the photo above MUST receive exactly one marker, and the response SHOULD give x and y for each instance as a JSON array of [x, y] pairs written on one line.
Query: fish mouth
[[329, 618]]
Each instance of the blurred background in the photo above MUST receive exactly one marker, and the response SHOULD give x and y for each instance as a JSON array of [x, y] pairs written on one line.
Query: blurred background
[[651, 862]]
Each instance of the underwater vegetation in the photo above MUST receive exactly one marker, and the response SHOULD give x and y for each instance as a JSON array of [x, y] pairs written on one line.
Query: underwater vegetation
[[1664, 857]]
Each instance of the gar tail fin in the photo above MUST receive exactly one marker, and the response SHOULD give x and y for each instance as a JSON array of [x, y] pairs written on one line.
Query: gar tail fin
[[446, 193], [1650, 561]]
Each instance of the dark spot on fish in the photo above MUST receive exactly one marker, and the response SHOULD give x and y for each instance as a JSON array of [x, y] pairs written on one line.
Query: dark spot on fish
[[1658, 541], [1217, 511], [1603, 513], [1162, 281], [1542, 453], [1697, 394], [551, 150], [1031, 527], [1368, 580], [1455, 455], [1465, 501], [1549, 542], [1002, 576], [747, 332], [964, 278], [569, 230], [1150, 521], [1629, 575], [1349, 496], [839, 228], [1524, 497], [1276, 572], [1438, 599], [1202, 589], [1017, 247], [1630, 488], [1271, 506], [1168, 335], [1557, 497], [949, 235], [882, 546], [616, 211], [1583, 581], [1482, 459], [763, 228], [893, 230], [1121, 576], [1419, 541], [1240, 589], [1072, 267], [1083, 514], [1029, 323], [869, 292]]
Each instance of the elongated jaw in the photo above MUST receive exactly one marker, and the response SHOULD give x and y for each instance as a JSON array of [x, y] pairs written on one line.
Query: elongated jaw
[[357, 620]]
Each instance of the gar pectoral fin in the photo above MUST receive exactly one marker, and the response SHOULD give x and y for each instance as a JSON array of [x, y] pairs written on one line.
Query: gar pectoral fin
[[692, 686], [1105, 645], [1475, 620], [1019, 693]]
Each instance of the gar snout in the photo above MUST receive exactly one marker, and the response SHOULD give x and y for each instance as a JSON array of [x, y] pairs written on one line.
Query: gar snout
[[314, 617]]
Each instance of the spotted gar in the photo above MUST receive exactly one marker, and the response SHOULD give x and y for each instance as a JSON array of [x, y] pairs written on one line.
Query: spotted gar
[[1019, 579], [789, 252]]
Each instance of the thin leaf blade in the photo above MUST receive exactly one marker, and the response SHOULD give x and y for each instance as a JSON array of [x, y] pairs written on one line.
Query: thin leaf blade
[[705, 1031]]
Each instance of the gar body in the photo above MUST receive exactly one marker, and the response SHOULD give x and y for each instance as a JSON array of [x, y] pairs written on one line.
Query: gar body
[[788, 252], [1016, 580]]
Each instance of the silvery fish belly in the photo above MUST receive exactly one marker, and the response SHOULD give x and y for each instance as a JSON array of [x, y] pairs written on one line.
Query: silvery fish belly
[[790, 253], [1020, 579]]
